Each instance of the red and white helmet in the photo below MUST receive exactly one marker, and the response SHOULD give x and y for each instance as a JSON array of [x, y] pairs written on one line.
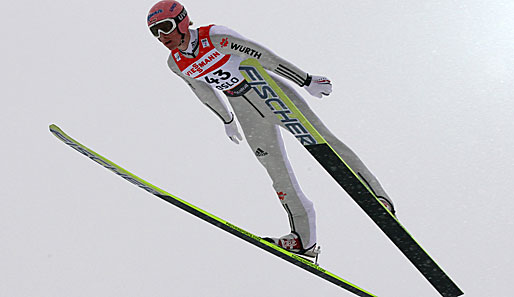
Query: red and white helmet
[[166, 16]]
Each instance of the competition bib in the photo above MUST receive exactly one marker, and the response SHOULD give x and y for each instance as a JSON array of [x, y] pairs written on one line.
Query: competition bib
[[218, 70]]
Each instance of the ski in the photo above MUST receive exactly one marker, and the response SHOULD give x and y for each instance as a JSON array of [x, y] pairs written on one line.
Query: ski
[[346, 177], [210, 218]]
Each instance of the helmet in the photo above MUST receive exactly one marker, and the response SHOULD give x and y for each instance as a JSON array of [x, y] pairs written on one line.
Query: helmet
[[166, 16]]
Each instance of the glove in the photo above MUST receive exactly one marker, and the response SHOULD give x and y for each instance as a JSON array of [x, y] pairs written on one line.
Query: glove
[[232, 131], [318, 86]]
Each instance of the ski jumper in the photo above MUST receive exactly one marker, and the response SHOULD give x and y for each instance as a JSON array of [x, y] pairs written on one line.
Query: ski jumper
[[211, 63]]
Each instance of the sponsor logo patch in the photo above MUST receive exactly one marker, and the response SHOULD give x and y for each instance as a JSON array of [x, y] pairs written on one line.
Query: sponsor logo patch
[[261, 153], [205, 42], [246, 50], [153, 14], [224, 42], [206, 61]]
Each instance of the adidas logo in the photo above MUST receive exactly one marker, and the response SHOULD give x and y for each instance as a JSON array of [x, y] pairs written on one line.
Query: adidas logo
[[260, 153]]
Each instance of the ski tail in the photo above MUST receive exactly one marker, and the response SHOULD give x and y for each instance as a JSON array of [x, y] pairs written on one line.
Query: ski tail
[[210, 218]]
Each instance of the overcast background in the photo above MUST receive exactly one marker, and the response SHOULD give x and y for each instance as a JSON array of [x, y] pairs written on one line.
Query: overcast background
[[423, 92]]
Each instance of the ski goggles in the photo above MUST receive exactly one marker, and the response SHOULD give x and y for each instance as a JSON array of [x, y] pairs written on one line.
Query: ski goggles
[[166, 26]]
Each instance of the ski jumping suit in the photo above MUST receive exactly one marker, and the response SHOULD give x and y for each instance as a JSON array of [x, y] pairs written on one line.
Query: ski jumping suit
[[211, 63]]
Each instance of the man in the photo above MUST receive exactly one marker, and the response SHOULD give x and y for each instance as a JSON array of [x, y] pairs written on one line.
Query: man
[[208, 59]]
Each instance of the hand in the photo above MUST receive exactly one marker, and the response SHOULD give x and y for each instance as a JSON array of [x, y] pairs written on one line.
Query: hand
[[232, 131], [319, 86]]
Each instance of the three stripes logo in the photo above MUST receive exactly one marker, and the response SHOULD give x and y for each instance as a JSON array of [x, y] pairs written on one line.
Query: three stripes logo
[[260, 153], [290, 74]]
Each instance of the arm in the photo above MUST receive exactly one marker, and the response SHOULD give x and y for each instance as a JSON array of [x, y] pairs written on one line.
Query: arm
[[230, 42], [212, 100], [205, 93]]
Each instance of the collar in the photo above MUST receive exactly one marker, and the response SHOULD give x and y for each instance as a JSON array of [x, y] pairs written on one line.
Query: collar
[[192, 48]]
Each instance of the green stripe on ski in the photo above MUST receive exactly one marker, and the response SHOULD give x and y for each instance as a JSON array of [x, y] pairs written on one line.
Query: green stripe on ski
[[210, 218], [295, 112]]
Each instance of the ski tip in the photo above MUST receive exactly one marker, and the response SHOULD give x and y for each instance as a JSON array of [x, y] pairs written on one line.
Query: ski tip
[[55, 130], [53, 127]]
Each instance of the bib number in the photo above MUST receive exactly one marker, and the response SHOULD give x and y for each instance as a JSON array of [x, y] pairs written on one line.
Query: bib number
[[222, 80]]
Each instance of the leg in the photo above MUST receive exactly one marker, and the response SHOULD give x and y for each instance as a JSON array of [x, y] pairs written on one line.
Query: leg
[[344, 151], [263, 135]]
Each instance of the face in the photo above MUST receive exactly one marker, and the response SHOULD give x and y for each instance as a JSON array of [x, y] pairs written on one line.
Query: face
[[171, 40]]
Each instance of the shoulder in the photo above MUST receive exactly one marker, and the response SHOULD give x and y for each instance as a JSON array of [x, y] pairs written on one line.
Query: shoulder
[[219, 30], [222, 36], [172, 64], [171, 61]]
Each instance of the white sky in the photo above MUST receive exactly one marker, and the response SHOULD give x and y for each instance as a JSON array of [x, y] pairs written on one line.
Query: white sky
[[423, 92]]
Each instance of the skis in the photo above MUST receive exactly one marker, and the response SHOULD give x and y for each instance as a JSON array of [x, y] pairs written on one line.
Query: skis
[[220, 223], [355, 186]]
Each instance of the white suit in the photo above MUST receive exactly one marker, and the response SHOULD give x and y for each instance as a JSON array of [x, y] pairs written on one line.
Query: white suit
[[212, 63]]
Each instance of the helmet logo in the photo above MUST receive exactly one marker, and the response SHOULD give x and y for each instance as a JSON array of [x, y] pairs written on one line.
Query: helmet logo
[[182, 15], [173, 7], [153, 14]]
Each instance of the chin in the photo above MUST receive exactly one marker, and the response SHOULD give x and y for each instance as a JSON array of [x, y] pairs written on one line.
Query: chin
[[171, 46]]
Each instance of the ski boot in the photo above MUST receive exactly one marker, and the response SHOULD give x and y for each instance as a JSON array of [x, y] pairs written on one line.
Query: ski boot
[[292, 243], [387, 204]]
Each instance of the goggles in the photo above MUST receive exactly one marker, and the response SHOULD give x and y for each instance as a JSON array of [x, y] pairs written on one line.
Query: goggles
[[166, 26]]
